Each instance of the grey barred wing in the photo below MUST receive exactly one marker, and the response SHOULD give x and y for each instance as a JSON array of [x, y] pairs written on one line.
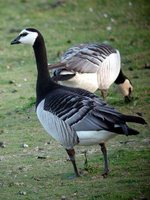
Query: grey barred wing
[[81, 113], [86, 58]]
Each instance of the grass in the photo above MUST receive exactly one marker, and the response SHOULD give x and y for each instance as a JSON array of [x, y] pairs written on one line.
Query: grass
[[23, 174]]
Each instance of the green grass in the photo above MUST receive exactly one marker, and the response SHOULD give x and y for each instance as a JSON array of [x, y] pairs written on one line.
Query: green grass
[[22, 174]]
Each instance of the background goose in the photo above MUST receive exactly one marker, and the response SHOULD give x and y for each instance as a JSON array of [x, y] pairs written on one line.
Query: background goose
[[92, 67], [73, 116]]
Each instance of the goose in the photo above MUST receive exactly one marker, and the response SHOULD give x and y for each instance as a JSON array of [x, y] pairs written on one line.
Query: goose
[[92, 67], [73, 116]]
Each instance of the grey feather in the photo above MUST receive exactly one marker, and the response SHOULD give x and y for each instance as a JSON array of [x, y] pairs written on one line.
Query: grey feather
[[86, 58]]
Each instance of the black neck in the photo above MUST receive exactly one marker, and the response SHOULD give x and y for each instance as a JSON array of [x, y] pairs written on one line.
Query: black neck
[[121, 78], [44, 82]]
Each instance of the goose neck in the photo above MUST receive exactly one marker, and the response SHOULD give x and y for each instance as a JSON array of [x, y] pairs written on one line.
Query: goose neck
[[44, 83], [41, 59], [121, 78]]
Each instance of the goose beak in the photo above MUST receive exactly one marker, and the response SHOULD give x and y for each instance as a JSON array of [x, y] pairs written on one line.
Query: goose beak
[[15, 41], [129, 97]]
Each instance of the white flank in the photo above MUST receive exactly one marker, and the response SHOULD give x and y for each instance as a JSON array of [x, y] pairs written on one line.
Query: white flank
[[94, 137], [87, 81]]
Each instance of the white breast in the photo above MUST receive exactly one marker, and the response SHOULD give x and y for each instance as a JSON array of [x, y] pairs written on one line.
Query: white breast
[[56, 127], [109, 71], [47, 120]]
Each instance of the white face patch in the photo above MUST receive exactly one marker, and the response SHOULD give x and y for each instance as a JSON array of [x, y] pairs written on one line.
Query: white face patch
[[27, 37], [124, 87]]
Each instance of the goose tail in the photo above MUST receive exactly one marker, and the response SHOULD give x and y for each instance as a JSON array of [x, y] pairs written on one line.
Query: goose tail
[[132, 131], [126, 130], [135, 119]]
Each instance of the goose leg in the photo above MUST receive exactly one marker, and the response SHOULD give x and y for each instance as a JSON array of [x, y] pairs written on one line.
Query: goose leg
[[104, 151], [85, 162], [104, 94], [71, 154]]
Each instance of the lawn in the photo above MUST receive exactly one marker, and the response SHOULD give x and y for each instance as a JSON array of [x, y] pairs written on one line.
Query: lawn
[[33, 165]]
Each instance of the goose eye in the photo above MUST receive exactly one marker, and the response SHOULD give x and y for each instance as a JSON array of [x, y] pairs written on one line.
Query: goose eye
[[23, 34]]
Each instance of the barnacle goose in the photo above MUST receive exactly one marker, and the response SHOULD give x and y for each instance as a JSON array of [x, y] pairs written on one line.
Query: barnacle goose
[[73, 116], [92, 67]]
